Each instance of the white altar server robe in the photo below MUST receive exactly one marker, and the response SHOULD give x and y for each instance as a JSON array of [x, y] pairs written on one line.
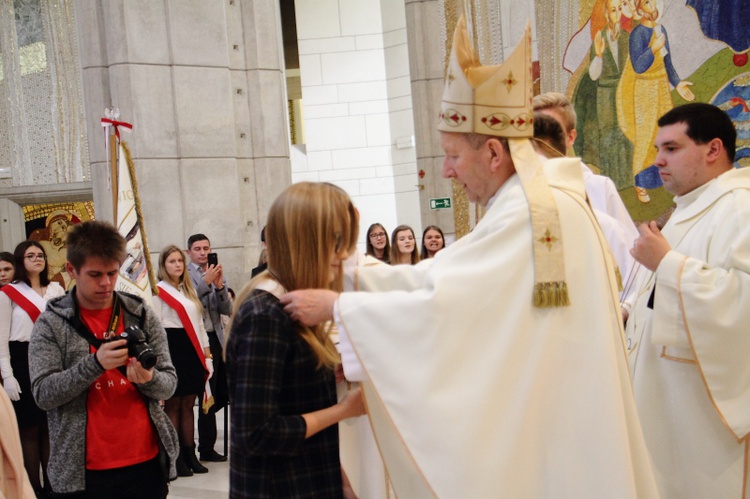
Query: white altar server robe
[[689, 355]]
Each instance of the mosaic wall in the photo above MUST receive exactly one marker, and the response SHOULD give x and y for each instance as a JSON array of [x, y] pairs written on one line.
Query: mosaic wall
[[49, 224], [631, 61]]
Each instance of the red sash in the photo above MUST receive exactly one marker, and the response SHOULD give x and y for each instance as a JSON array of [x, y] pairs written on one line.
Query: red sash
[[178, 307], [19, 299]]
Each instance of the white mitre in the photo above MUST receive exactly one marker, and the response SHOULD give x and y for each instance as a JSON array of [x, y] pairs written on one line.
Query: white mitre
[[491, 100]]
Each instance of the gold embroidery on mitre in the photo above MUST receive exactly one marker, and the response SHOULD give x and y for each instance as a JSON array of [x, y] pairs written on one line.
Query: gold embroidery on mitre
[[452, 118], [499, 121], [548, 239], [502, 91], [509, 81]]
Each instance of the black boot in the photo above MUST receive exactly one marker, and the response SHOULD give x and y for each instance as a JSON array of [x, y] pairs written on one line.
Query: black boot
[[188, 455], [182, 468]]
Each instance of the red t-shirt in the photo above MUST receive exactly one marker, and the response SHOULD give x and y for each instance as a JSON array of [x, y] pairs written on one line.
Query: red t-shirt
[[117, 412]]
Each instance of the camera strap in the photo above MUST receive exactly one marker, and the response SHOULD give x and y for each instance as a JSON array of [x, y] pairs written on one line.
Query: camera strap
[[85, 333]]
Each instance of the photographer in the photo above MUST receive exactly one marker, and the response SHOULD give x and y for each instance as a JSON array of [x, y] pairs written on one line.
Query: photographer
[[208, 280], [108, 435]]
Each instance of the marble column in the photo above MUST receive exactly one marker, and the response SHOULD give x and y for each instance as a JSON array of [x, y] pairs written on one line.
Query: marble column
[[423, 20], [202, 81]]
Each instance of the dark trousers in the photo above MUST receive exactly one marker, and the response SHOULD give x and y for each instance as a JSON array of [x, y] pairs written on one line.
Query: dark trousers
[[143, 480], [207, 422]]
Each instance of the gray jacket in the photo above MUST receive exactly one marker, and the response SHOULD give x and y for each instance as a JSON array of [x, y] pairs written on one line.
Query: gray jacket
[[214, 302], [62, 369]]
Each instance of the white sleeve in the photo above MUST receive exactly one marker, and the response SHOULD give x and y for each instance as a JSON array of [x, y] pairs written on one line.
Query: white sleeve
[[352, 368], [203, 335], [6, 311], [156, 304], [53, 291]]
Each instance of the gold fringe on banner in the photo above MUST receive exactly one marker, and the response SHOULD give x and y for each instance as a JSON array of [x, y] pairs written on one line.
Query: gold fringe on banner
[[206, 405], [136, 197]]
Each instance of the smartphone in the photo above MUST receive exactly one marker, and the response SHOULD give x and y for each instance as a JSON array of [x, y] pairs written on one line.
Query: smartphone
[[213, 259]]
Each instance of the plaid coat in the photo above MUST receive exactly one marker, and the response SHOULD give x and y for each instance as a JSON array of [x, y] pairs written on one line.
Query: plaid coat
[[273, 379]]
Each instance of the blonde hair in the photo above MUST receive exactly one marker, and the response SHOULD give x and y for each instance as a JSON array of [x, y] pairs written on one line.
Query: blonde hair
[[396, 252], [557, 101], [307, 225], [185, 281]]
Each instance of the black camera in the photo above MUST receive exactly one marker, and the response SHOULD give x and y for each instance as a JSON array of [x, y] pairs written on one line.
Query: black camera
[[137, 346]]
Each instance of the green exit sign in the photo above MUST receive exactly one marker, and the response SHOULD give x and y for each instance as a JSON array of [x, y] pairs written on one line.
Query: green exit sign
[[440, 203]]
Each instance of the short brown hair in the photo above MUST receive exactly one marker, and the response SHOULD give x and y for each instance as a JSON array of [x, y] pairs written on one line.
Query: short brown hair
[[95, 239], [548, 132]]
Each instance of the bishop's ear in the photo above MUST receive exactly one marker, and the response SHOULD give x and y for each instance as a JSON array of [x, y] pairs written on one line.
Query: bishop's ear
[[497, 153]]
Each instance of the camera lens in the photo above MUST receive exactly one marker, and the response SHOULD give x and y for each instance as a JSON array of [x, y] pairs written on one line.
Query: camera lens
[[138, 348], [147, 358]]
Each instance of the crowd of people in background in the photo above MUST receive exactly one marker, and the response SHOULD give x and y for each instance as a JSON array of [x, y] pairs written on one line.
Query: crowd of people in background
[[193, 306], [402, 247]]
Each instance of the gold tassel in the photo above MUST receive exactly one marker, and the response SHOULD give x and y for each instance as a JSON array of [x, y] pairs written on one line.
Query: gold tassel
[[207, 404], [551, 294]]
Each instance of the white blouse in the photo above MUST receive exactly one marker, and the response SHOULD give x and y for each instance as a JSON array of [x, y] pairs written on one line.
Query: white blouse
[[169, 318], [15, 323]]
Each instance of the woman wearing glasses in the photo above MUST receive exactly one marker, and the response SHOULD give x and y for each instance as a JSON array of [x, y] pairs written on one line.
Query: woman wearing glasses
[[21, 302], [378, 245], [284, 437]]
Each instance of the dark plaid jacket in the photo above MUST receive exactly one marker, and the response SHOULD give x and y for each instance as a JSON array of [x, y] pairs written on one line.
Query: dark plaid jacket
[[273, 379]]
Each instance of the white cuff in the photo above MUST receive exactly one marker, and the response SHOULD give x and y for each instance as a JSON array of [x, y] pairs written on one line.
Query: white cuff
[[353, 370]]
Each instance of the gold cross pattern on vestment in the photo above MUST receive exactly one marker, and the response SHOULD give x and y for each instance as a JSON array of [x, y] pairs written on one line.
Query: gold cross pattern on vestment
[[548, 239]]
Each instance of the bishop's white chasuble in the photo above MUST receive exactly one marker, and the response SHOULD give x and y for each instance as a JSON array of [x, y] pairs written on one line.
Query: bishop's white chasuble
[[472, 391]]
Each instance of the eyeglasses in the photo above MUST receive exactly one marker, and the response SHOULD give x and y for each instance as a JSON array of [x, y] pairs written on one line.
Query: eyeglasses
[[34, 258], [377, 235]]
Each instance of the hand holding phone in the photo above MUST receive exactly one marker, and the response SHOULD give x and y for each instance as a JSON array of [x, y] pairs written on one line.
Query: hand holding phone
[[213, 259]]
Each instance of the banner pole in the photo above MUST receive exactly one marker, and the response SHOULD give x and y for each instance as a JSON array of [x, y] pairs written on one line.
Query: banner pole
[[113, 172]]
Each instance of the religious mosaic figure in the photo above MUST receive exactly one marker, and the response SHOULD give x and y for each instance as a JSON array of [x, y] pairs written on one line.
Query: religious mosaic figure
[[644, 93], [600, 141], [726, 21], [53, 238]]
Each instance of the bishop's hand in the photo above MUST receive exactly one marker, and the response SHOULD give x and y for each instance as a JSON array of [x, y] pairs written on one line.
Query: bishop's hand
[[310, 307]]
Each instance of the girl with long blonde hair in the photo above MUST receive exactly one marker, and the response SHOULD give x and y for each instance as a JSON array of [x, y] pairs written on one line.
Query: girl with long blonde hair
[[404, 246], [284, 439], [180, 311]]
